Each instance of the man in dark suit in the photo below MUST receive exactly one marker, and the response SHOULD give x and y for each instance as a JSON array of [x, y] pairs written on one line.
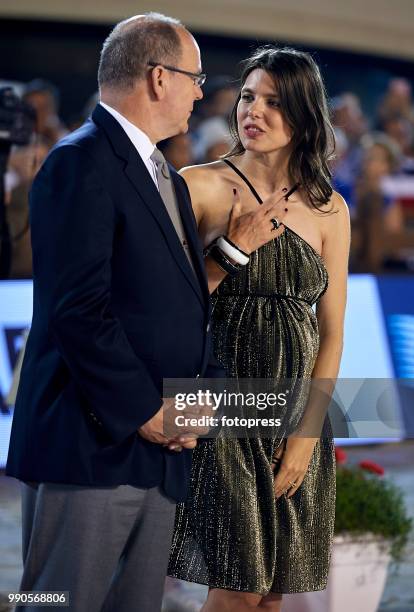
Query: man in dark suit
[[120, 302]]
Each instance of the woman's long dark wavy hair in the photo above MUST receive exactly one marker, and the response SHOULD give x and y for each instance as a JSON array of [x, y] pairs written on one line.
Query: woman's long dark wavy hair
[[303, 103]]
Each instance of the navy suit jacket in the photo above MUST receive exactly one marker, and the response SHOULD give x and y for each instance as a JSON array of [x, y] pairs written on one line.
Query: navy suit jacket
[[117, 308]]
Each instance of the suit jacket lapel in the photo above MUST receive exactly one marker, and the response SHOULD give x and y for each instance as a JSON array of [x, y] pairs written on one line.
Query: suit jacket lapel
[[190, 227], [150, 196], [140, 178]]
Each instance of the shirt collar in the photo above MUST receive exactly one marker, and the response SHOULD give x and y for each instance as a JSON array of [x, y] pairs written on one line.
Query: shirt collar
[[139, 139]]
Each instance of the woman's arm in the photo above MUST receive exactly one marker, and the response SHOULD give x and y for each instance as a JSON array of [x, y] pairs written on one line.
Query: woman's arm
[[217, 209], [200, 188], [330, 310], [330, 313]]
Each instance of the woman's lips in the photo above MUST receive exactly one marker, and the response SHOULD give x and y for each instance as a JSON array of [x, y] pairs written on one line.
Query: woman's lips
[[252, 131]]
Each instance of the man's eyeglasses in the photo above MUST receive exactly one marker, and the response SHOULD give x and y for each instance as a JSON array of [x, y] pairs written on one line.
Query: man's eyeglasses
[[198, 78]]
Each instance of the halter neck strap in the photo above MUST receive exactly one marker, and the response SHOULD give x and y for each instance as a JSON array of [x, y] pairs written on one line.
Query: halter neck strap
[[245, 179]]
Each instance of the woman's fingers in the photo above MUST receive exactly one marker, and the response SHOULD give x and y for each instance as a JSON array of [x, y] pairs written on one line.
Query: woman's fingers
[[288, 482], [277, 210], [292, 489], [276, 196], [251, 230], [236, 201], [278, 202], [235, 211]]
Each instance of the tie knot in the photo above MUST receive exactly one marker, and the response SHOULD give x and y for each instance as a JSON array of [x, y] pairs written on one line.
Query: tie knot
[[162, 166], [157, 157]]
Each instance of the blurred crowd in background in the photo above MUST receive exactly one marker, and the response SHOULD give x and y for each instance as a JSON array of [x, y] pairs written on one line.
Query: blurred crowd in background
[[373, 166]]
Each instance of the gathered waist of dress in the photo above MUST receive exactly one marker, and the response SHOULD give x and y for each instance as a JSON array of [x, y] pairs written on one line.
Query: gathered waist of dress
[[267, 296]]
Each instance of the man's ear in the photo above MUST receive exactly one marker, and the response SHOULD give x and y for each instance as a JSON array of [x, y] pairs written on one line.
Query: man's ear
[[158, 80]]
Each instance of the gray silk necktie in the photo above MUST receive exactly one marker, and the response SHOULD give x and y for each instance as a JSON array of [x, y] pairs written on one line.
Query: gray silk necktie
[[167, 194]]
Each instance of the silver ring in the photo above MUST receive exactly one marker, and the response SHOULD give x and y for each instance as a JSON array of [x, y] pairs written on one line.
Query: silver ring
[[275, 223]]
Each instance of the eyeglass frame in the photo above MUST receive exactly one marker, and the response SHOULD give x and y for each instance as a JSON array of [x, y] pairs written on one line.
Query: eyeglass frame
[[198, 78]]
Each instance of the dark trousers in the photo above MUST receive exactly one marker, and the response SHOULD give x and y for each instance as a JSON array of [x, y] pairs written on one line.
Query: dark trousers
[[107, 546]]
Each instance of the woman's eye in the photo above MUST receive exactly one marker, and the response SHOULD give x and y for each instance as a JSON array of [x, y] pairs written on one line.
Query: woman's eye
[[274, 103], [247, 97]]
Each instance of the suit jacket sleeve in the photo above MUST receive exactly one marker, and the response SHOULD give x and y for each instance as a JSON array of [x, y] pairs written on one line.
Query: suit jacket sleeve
[[83, 220]]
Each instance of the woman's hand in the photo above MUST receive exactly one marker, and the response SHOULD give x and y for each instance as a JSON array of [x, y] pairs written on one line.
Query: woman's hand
[[294, 464], [252, 230]]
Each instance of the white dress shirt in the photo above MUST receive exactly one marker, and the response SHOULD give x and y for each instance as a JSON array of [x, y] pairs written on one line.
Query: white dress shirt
[[139, 139]]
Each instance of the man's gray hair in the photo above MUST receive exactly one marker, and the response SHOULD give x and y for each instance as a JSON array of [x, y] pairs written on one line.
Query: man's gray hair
[[133, 43]]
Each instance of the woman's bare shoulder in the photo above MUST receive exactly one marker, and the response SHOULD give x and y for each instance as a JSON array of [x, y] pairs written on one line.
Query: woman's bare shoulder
[[335, 210], [337, 221], [207, 186], [204, 174], [338, 203]]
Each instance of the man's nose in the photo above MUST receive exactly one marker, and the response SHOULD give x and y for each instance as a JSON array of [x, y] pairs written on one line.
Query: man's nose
[[199, 93]]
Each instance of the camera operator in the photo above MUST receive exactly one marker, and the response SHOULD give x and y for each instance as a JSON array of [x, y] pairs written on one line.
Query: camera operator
[[17, 121], [43, 97]]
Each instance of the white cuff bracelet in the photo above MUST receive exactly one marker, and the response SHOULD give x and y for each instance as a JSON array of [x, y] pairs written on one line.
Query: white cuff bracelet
[[232, 252]]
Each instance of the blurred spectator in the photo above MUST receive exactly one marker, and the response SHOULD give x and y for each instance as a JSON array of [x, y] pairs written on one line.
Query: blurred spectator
[[178, 150], [380, 160], [213, 139], [342, 180], [350, 125], [220, 92], [378, 215], [212, 136], [397, 102], [396, 118], [347, 114], [24, 163], [44, 98], [401, 131]]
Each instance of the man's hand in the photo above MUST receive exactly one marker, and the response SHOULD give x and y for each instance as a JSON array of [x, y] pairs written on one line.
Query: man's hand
[[185, 435], [178, 444], [153, 430], [252, 230]]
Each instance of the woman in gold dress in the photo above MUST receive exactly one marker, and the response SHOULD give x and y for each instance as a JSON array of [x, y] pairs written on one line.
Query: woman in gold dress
[[259, 518]]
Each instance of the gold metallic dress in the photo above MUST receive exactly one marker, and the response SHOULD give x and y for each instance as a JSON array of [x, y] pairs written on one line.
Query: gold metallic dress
[[232, 533]]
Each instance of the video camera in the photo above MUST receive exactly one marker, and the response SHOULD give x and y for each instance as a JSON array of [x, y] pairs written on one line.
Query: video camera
[[17, 119]]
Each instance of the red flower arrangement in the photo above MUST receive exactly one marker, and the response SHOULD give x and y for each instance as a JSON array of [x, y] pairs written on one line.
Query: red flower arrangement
[[367, 503], [340, 455], [371, 466]]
